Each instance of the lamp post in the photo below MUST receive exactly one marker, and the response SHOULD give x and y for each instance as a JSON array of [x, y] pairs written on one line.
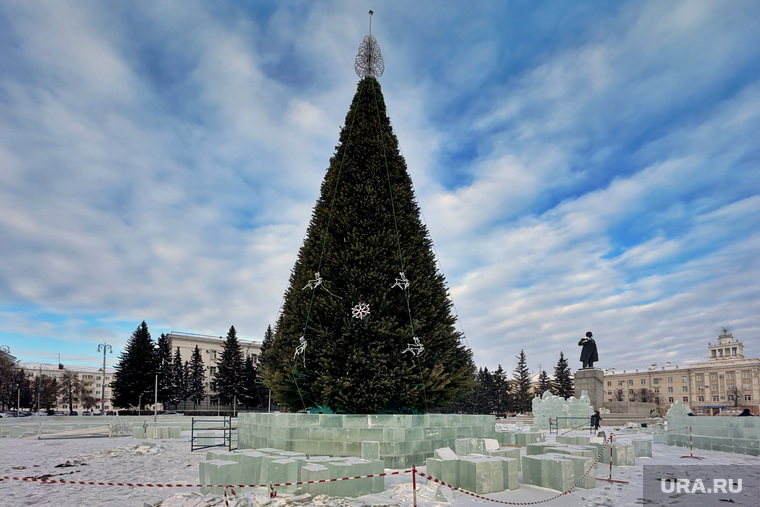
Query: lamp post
[[105, 347], [39, 387]]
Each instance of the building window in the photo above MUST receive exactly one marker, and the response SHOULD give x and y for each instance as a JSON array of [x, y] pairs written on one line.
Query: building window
[[670, 389], [746, 386], [213, 355], [685, 389], [686, 399], [656, 389], [630, 382], [745, 374], [656, 380], [700, 398], [700, 388], [730, 397], [715, 398], [620, 382], [728, 376], [609, 393], [643, 382], [713, 377], [684, 379], [212, 371], [729, 387], [699, 378], [609, 383], [747, 397], [715, 388], [670, 380], [630, 391], [670, 399]]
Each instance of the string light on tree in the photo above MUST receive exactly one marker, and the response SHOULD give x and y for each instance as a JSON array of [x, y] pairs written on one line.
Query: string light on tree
[[402, 282], [416, 348], [313, 284], [301, 349]]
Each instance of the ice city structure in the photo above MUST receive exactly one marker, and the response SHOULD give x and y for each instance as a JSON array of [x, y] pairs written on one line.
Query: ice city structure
[[728, 434], [569, 413]]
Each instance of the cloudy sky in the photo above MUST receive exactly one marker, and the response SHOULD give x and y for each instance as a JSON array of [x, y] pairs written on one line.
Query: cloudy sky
[[580, 166]]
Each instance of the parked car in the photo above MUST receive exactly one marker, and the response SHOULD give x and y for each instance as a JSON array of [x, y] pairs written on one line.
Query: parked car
[[73, 412], [86, 412], [110, 412], [172, 412]]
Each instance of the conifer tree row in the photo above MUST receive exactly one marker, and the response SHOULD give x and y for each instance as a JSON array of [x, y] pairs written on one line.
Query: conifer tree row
[[364, 231]]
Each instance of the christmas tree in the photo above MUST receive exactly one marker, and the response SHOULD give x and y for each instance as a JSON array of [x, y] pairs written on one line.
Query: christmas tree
[[366, 324]]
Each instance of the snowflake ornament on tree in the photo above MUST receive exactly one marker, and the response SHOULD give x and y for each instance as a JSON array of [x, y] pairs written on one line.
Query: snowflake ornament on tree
[[360, 311]]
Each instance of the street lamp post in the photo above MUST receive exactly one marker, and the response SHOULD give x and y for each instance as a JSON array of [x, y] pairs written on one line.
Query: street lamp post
[[39, 387], [105, 347]]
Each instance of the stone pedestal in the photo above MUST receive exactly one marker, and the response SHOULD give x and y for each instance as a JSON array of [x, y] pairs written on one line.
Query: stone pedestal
[[590, 380]]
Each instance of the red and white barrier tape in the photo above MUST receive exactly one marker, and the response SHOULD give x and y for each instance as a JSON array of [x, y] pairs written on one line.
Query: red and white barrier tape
[[148, 485]]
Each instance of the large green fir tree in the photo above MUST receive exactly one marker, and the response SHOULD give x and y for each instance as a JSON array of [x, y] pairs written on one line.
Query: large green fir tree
[[364, 241], [133, 378]]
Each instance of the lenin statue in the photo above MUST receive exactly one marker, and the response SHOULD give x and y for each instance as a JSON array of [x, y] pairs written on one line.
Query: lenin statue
[[588, 352]]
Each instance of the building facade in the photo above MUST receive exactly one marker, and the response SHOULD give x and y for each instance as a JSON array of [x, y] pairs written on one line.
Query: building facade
[[96, 384], [726, 381]]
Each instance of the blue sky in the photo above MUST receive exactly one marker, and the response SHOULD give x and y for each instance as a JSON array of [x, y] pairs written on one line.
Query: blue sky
[[580, 166]]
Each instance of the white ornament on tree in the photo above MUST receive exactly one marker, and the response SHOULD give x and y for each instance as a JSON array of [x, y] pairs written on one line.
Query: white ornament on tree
[[360, 311]]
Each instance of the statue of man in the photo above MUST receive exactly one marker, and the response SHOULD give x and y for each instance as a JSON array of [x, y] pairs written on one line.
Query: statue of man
[[588, 352]]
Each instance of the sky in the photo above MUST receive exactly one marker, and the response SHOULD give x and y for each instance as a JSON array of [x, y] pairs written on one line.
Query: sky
[[579, 165]]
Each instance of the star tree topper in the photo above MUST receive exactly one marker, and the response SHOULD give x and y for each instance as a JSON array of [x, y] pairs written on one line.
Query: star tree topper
[[369, 61]]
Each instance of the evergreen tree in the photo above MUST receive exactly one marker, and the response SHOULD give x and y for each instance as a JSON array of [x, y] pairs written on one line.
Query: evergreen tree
[[522, 395], [364, 241], [229, 374], [485, 392], [196, 378], [544, 383], [266, 343], [249, 395], [179, 385], [563, 382], [165, 374], [502, 398], [134, 373]]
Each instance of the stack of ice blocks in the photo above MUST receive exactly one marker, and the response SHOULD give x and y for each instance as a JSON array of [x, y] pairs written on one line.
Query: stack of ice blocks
[[491, 471], [404, 439], [266, 466]]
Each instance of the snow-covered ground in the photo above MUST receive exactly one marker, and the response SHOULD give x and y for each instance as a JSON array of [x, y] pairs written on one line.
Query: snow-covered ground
[[120, 459]]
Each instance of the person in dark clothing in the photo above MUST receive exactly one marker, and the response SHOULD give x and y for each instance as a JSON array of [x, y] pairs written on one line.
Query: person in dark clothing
[[595, 420], [588, 353], [745, 413]]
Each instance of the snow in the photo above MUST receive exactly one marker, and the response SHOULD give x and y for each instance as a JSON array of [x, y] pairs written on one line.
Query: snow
[[124, 459]]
